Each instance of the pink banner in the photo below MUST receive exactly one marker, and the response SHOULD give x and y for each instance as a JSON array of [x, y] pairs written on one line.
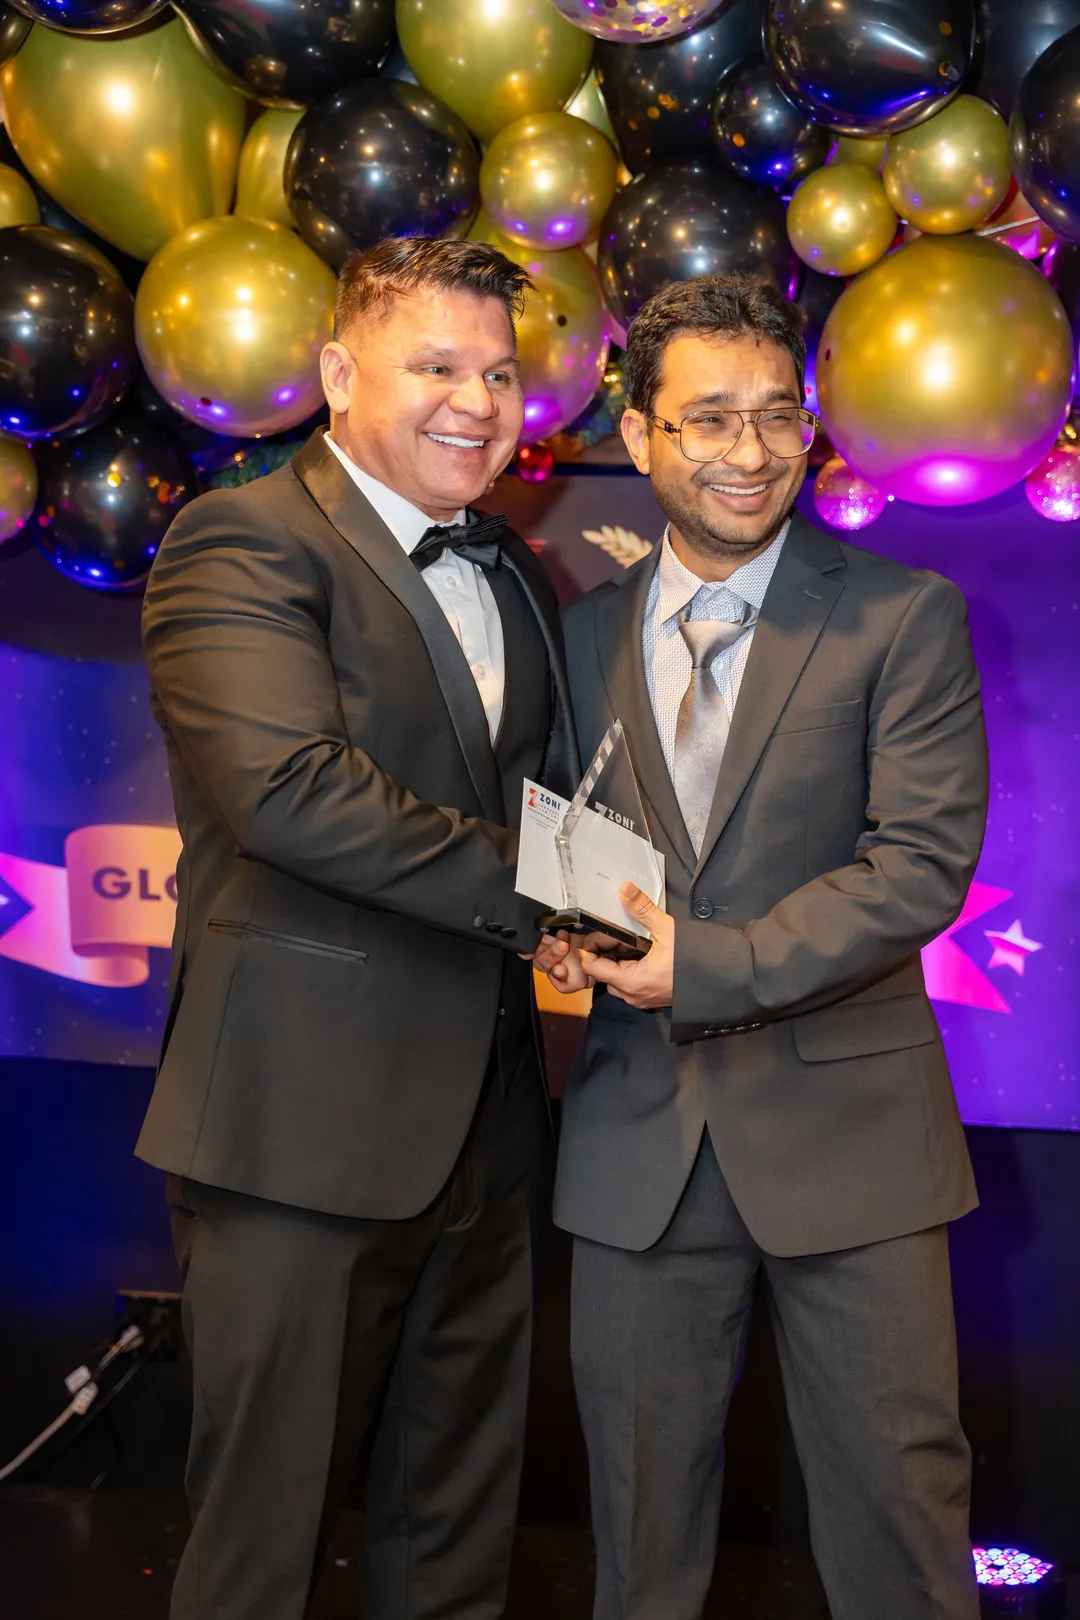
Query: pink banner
[[95, 918]]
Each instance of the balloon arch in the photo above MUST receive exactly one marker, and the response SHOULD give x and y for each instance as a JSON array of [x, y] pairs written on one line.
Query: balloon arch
[[178, 184]]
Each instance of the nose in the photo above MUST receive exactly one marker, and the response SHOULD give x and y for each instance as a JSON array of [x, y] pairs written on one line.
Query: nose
[[748, 452], [472, 397]]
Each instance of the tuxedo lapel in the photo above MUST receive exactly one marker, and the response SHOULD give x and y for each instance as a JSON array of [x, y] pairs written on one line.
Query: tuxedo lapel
[[800, 597], [360, 526], [620, 618]]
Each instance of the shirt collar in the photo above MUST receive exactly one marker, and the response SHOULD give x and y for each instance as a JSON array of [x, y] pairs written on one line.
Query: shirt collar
[[405, 521], [678, 586]]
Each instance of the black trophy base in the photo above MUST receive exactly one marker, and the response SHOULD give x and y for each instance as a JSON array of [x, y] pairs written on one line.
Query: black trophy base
[[572, 920]]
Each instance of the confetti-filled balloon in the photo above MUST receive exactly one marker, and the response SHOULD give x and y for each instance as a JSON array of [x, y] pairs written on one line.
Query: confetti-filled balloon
[[844, 499], [759, 133], [492, 61], [230, 318], [90, 16], [107, 498], [379, 159], [260, 179], [840, 221], [1045, 136], [659, 95], [688, 219], [133, 133], [563, 336], [18, 486], [945, 371], [871, 67], [636, 22], [547, 180], [18, 204], [1053, 488], [949, 173], [67, 343], [290, 52]]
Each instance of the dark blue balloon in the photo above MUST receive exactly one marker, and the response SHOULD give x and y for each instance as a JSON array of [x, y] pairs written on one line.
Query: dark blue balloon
[[1012, 33], [762, 135], [89, 16], [870, 67], [1045, 134], [381, 158], [67, 338], [290, 51], [106, 499]]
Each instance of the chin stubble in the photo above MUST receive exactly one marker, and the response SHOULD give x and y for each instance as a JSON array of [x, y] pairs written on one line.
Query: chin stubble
[[722, 544]]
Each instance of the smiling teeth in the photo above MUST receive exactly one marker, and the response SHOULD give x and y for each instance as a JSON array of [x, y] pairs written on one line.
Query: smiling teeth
[[453, 438], [739, 489]]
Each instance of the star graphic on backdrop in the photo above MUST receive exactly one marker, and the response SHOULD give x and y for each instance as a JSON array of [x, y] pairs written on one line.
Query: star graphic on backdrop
[[1011, 947], [951, 975], [13, 908]]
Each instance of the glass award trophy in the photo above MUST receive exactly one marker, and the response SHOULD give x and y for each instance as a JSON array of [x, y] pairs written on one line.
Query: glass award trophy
[[602, 842]]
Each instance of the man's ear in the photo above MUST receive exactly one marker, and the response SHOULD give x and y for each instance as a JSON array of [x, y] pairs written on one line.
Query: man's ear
[[635, 431], [336, 366]]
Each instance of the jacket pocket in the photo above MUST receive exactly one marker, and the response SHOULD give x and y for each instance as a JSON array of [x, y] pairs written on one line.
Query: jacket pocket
[[859, 1030], [292, 942], [821, 717]]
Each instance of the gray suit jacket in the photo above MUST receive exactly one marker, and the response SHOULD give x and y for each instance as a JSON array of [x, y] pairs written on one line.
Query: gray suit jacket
[[844, 832], [347, 925]]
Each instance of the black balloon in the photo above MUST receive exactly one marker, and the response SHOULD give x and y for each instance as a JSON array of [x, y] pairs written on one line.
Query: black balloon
[[659, 95], [1061, 267], [817, 295], [67, 338], [760, 133], [106, 499], [870, 67], [381, 158], [14, 28], [290, 52], [89, 16], [1045, 135], [679, 220], [1012, 33], [219, 459]]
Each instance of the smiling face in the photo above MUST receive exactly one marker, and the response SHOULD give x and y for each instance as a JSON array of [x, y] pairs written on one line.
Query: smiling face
[[721, 513], [426, 397]]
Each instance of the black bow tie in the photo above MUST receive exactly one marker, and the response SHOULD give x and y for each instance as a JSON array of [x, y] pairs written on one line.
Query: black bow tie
[[478, 542]]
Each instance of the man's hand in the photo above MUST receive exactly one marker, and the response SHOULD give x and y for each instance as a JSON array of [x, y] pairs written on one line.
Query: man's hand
[[649, 980]]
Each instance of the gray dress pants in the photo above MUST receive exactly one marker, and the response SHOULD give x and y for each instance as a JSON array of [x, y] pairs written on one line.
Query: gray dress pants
[[867, 1350]]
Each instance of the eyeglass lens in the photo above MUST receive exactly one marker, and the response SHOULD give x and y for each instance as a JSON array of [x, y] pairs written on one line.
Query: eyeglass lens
[[783, 432]]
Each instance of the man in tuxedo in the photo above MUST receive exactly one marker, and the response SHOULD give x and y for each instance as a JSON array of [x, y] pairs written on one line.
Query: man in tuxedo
[[353, 673], [765, 1092]]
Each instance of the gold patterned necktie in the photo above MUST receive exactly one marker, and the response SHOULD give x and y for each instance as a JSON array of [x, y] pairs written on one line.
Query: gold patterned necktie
[[701, 732]]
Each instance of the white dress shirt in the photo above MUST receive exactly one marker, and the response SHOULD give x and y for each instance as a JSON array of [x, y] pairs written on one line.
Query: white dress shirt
[[666, 656], [458, 586]]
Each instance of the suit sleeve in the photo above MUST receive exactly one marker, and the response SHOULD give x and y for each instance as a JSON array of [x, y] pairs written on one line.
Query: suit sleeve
[[926, 813], [234, 626]]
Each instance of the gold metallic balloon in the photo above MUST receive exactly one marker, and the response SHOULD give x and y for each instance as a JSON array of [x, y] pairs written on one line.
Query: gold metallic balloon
[[18, 205], [563, 336], [589, 104], [864, 149], [950, 173], [260, 179], [945, 372], [230, 317], [18, 486], [547, 180], [494, 60], [840, 221], [132, 133]]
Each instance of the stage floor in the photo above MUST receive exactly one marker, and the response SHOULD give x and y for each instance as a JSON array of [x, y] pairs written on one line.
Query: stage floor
[[77, 1555]]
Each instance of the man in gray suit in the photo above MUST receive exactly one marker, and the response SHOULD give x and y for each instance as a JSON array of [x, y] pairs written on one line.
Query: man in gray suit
[[353, 673], [766, 1090]]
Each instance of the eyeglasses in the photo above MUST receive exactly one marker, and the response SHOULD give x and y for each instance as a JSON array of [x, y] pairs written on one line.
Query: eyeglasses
[[784, 430]]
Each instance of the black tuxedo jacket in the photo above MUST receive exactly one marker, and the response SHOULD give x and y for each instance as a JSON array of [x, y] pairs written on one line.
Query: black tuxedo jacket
[[347, 925]]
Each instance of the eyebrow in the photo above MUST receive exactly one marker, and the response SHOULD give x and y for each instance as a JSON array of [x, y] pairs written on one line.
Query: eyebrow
[[436, 351], [724, 396]]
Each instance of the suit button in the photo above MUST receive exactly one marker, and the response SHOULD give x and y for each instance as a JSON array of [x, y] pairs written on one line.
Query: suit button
[[703, 909], [502, 1012], [509, 933], [493, 927], [479, 922]]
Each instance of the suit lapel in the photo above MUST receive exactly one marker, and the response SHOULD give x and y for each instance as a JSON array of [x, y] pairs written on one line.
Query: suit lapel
[[563, 770], [620, 618], [360, 526], [801, 595]]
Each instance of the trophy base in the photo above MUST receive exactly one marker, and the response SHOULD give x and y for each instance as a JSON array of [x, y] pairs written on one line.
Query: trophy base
[[573, 920]]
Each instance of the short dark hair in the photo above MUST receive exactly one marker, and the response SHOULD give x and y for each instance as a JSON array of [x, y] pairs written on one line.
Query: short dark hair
[[371, 278], [734, 306]]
